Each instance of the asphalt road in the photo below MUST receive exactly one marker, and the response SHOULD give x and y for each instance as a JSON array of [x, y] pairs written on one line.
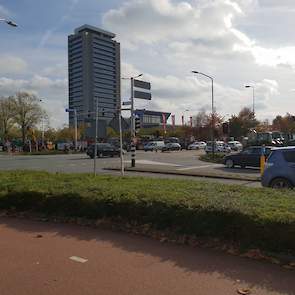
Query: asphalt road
[[81, 163], [49, 259]]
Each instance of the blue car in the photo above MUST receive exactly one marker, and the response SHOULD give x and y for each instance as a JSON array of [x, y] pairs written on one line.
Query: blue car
[[280, 169]]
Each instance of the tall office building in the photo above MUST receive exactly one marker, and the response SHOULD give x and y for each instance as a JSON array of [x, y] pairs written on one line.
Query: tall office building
[[94, 73]]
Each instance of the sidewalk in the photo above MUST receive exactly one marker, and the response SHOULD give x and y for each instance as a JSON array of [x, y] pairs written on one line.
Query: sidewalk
[[49, 259]]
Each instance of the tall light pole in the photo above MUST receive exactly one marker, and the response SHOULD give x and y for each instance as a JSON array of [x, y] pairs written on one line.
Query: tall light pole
[[9, 22], [96, 135], [132, 123], [253, 88], [43, 131], [76, 126], [212, 108]]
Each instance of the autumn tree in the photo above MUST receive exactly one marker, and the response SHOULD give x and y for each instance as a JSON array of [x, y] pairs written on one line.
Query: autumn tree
[[6, 116], [241, 125], [284, 124], [27, 112]]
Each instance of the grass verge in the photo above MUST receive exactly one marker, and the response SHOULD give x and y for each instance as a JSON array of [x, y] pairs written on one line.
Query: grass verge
[[250, 217]]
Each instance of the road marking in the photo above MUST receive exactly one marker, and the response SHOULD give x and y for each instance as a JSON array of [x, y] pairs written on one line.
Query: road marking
[[198, 167], [148, 162], [78, 259]]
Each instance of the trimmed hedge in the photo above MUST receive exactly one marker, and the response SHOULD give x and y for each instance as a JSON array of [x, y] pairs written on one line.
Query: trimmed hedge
[[251, 217]]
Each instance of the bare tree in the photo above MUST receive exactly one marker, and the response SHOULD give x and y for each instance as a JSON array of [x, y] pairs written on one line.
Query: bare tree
[[6, 116], [28, 112]]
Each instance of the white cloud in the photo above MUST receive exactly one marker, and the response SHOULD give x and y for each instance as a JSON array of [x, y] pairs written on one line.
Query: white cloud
[[12, 65], [167, 39], [52, 91], [4, 11]]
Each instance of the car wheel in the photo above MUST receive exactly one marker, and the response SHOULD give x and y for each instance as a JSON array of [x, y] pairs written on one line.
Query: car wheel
[[281, 183], [229, 163]]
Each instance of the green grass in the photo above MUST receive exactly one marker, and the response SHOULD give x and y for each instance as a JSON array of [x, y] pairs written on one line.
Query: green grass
[[252, 217]]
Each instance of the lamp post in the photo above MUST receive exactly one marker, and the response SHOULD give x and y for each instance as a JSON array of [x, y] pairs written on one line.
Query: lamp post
[[43, 131], [76, 126], [212, 108], [9, 22], [253, 88], [132, 123]]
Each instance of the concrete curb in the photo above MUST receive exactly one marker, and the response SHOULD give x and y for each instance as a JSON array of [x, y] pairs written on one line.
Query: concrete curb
[[157, 171]]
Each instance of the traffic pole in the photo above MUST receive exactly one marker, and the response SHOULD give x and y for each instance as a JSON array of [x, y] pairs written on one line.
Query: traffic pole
[[262, 160], [133, 148], [121, 140], [76, 130], [95, 140]]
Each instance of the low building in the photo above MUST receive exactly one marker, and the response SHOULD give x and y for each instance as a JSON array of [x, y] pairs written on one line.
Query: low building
[[152, 119]]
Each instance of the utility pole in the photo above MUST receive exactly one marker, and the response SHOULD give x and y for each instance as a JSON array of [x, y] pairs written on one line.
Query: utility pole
[[253, 93], [213, 123], [95, 140], [133, 148], [212, 110], [121, 140], [76, 130]]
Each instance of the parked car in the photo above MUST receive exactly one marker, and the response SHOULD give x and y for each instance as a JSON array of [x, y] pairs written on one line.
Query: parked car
[[248, 157], [103, 149], [279, 169], [235, 145], [171, 146], [154, 146], [219, 147], [197, 145]]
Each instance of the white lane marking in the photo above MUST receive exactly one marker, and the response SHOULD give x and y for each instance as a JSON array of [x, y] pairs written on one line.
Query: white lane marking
[[198, 167], [148, 162], [78, 259]]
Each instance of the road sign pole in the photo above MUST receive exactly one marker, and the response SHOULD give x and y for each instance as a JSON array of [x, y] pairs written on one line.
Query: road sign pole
[[95, 140], [121, 141], [76, 130], [133, 149]]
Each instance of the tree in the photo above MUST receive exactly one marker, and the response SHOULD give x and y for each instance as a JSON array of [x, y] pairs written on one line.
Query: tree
[[6, 116], [27, 112], [284, 124], [241, 125]]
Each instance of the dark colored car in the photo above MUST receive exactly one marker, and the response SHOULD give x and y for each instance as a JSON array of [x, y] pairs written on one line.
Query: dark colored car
[[248, 157], [103, 149], [171, 146], [279, 169]]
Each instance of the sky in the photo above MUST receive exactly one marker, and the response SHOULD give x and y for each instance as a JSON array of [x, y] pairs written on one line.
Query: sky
[[237, 42]]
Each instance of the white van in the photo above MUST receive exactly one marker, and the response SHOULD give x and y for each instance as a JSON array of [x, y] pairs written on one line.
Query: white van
[[154, 146]]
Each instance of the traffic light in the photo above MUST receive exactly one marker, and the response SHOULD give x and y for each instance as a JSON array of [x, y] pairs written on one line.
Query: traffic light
[[137, 124], [225, 128]]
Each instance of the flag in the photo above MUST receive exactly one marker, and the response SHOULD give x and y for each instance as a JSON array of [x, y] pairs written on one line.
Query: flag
[[164, 122], [142, 90], [173, 120]]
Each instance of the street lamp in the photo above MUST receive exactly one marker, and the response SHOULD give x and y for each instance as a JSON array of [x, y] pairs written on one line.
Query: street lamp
[[253, 88], [212, 107], [9, 22], [76, 126], [43, 131]]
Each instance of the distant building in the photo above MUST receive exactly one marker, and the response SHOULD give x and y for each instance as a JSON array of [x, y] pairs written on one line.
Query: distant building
[[151, 119], [94, 73]]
